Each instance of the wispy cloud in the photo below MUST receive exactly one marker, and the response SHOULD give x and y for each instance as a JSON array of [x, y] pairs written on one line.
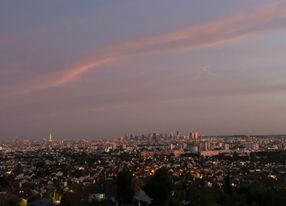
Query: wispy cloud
[[78, 70], [204, 70], [240, 26]]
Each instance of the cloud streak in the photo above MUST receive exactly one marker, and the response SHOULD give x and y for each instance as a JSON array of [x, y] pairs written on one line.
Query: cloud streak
[[78, 70], [243, 25], [237, 27], [204, 70]]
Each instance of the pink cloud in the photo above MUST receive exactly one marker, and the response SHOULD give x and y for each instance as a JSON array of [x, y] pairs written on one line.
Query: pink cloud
[[230, 29], [243, 25]]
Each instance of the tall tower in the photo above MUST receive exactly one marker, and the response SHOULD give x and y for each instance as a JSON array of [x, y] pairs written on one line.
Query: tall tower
[[197, 135], [50, 139], [193, 135]]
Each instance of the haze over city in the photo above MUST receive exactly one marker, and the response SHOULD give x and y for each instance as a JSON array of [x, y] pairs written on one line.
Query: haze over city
[[109, 68]]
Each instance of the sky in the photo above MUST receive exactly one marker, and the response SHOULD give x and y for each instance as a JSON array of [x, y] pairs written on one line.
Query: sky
[[96, 69]]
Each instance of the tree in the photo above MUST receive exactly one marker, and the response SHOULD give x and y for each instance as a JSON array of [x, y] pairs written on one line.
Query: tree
[[159, 187], [125, 187], [227, 185]]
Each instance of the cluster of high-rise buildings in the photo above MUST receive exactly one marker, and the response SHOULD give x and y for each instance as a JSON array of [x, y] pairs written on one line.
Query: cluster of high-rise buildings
[[46, 169]]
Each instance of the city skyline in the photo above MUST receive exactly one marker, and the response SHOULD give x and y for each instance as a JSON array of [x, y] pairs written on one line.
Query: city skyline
[[105, 69]]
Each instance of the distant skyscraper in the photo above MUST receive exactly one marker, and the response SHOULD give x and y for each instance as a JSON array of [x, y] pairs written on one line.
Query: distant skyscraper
[[193, 135], [197, 135]]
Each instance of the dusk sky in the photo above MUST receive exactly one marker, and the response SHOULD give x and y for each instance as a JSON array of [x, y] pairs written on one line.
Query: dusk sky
[[102, 68]]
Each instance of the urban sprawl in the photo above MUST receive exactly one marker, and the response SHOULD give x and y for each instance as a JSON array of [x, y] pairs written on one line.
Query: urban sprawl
[[120, 171]]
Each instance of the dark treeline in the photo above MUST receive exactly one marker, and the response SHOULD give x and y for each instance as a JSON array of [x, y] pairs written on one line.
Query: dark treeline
[[163, 190]]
